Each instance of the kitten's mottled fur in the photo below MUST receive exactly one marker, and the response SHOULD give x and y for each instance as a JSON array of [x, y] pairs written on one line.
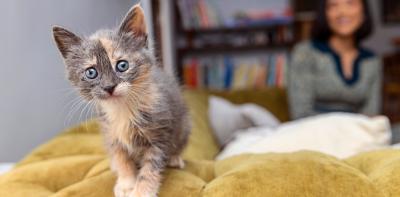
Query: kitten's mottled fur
[[144, 119]]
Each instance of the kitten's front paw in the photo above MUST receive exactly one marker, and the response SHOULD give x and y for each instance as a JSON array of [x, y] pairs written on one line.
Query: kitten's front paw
[[124, 188]]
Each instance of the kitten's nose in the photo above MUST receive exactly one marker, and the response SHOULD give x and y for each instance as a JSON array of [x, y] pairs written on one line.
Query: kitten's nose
[[109, 89]]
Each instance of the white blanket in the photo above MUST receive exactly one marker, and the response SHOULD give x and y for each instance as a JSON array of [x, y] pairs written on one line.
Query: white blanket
[[338, 134], [5, 167]]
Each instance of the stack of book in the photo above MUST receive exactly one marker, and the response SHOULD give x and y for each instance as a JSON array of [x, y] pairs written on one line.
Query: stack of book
[[232, 73], [206, 14], [199, 13]]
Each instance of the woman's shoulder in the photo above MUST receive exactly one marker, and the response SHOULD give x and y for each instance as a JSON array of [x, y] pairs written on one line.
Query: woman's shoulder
[[369, 57], [310, 48], [304, 46], [305, 51], [367, 54], [303, 56]]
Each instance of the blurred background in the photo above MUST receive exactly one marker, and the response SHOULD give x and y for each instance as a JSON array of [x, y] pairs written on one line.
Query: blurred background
[[35, 95], [208, 44]]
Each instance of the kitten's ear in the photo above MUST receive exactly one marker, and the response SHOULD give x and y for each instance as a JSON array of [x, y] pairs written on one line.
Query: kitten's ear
[[134, 22], [65, 40]]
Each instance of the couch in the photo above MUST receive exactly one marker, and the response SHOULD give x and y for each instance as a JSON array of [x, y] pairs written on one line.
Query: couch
[[75, 164]]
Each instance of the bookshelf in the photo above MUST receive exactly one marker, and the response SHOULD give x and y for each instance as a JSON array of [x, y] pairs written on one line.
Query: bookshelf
[[391, 87], [390, 10], [271, 40]]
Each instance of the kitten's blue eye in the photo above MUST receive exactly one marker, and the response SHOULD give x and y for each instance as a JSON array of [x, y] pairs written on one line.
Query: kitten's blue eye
[[122, 66], [91, 73]]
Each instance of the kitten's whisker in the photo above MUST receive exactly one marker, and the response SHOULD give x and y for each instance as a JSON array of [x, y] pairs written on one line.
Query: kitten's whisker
[[74, 109], [94, 109], [72, 113], [88, 113], [62, 97], [82, 111], [73, 104]]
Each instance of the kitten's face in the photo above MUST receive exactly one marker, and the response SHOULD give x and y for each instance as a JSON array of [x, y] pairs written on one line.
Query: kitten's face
[[108, 64]]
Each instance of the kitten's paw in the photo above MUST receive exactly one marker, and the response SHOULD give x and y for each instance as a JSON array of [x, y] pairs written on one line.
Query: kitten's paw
[[124, 188], [176, 162]]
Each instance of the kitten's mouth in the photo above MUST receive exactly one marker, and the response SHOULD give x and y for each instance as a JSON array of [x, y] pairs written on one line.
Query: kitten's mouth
[[114, 96], [110, 97]]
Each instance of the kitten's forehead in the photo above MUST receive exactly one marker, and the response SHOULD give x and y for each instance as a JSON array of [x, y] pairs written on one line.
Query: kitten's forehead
[[108, 46], [104, 41], [101, 54], [95, 50], [111, 46]]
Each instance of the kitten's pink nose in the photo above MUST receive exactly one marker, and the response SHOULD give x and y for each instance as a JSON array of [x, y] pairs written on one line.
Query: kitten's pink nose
[[109, 89]]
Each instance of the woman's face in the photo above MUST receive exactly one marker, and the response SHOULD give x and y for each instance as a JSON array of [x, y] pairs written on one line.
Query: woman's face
[[344, 16]]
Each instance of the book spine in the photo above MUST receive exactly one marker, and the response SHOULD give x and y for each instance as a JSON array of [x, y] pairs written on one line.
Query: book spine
[[229, 69], [227, 73], [203, 14]]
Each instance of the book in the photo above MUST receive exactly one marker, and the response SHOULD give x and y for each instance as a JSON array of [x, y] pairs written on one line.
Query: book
[[271, 70], [229, 69], [203, 14], [226, 72], [193, 73], [261, 75], [186, 72]]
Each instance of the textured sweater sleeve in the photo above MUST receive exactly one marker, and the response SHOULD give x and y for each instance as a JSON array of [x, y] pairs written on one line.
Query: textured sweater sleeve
[[300, 83], [373, 101]]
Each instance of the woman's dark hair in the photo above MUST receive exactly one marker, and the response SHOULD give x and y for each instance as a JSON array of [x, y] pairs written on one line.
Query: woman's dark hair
[[322, 32]]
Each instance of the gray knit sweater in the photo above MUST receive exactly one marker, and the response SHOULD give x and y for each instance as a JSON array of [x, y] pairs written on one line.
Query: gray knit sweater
[[316, 82]]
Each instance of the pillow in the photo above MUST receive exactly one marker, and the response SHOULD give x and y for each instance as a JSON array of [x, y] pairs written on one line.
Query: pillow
[[259, 116], [227, 118], [338, 134]]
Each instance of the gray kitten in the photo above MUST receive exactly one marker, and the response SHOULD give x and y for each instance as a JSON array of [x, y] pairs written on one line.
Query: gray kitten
[[144, 118]]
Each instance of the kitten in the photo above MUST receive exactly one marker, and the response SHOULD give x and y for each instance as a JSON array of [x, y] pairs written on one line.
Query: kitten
[[143, 116]]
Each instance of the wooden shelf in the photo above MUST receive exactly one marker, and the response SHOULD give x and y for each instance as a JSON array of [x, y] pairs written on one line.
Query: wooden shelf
[[396, 42], [391, 87], [228, 49], [238, 29]]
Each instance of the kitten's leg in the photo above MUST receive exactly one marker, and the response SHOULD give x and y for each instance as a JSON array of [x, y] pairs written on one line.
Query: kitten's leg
[[176, 162], [126, 172], [149, 177]]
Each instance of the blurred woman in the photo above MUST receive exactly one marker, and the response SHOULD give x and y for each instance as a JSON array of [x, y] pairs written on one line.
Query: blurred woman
[[333, 72]]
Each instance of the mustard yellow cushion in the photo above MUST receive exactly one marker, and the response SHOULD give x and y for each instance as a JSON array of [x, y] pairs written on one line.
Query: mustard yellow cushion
[[75, 164]]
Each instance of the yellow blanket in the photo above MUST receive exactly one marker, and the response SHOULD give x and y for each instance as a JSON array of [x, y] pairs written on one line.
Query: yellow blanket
[[75, 164]]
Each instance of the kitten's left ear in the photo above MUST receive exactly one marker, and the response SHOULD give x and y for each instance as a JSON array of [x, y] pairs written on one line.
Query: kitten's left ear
[[65, 40], [134, 22]]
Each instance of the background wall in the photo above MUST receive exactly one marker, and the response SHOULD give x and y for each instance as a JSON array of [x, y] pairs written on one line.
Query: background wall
[[380, 42], [35, 97]]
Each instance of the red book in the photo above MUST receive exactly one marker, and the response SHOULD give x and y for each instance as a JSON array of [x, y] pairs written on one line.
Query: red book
[[186, 73], [193, 73], [203, 14], [279, 71]]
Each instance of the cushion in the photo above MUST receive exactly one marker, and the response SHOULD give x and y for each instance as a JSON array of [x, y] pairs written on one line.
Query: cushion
[[227, 118], [48, 172], [338, 134], [75, 164], [272, 99], [202, 143]]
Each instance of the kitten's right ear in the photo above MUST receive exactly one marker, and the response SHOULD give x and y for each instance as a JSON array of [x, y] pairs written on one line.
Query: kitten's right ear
[[65, 40], [134, 22]]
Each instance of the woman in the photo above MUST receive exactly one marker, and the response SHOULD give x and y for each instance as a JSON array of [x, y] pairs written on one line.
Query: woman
[[333, 73]]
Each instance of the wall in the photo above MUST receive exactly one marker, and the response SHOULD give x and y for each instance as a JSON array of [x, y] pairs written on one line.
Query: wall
[[381, 40], [35, 96]]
